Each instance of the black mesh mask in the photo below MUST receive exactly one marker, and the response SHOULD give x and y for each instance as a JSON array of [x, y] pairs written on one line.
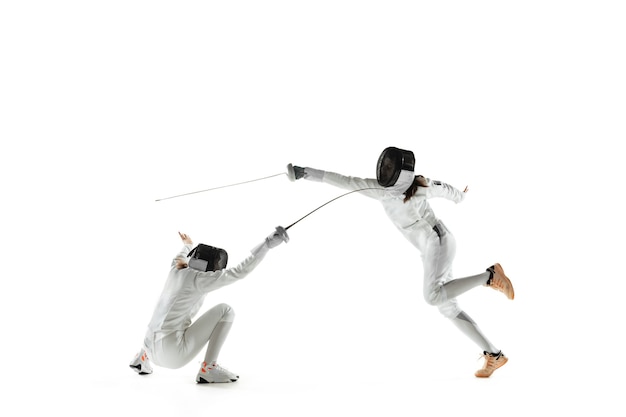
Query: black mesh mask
[[391, 162], [207, 258]]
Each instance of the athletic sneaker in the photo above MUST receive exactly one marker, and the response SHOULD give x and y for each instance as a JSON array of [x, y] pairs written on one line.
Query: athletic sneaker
[[141, 364], [492, 362], [499, 281], [214, 373]]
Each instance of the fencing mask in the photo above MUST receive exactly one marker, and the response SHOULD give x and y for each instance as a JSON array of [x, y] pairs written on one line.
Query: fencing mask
[[207, 258], [391, 163]]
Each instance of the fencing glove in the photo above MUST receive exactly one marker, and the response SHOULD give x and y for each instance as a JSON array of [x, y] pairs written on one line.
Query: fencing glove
[[274, 239], [296, 172]]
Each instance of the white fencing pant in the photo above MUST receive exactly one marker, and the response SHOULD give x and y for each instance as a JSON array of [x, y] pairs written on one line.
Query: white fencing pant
[[178, 349], [441, 290]]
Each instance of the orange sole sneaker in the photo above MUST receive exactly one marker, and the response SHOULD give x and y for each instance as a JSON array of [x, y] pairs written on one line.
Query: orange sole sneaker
[[501, 282], [491, 364]]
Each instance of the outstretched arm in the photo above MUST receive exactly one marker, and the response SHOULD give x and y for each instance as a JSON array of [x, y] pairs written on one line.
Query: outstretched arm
[[211, 280], [370, 186], [441, 189]]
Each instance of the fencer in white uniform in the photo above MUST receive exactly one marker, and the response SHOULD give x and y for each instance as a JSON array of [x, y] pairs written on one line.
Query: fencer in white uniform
[[404, 197], [172, 340]]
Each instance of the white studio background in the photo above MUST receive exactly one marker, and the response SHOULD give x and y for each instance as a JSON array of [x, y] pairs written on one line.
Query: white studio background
[[108, 106]]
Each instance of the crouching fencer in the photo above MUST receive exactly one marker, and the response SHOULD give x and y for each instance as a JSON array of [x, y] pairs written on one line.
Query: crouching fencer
[[172, 340], [404, 197]]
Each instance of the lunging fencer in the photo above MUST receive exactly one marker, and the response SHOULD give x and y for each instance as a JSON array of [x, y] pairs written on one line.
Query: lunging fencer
[[172, 340], [404, 197]]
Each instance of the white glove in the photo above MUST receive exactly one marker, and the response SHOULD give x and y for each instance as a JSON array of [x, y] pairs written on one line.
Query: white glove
[[276, 238], [295, 173]]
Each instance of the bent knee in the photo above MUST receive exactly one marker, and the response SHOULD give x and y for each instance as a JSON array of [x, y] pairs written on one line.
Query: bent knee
[[436, 296], [448, 308], [228, 313]]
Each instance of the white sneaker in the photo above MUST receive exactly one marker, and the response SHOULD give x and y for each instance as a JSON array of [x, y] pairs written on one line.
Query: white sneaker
[[214, 373], [141, 364]]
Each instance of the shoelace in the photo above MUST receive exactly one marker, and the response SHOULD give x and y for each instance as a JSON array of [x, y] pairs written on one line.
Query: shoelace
[[490, 359], [498, 284], [221, 369], [214, 367]]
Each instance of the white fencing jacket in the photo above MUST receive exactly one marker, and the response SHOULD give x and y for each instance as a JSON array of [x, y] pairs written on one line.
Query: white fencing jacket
[[411, 217], [185, 291]]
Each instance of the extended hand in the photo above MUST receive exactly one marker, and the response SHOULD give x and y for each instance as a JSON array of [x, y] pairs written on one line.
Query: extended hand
[[295, 172], [277, 237], [185, 238]]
